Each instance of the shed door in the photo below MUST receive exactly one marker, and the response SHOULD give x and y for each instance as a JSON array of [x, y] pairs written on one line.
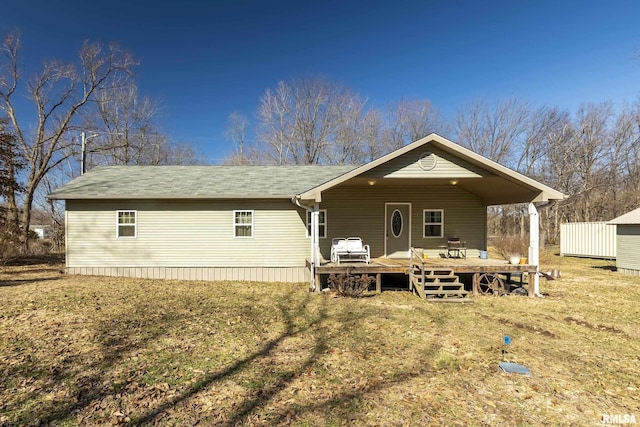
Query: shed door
[[397, 230]]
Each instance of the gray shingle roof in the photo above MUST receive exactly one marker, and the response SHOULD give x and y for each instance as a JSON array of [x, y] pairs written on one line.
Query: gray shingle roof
[[198, 182], [632, 217]]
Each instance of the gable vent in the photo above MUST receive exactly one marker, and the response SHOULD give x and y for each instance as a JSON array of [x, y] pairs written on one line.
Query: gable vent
[[427, 161]]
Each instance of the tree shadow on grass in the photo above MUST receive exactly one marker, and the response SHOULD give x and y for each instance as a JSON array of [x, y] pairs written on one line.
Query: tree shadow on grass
[[51, 259], [20, 282], [55, 269], [339, 407], [610, 267], [88, 383], [281, 380], [267, 350], [84, 382]]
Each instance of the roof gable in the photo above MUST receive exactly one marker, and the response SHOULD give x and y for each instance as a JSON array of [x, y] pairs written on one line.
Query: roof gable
[[426, 161], [493, 183]]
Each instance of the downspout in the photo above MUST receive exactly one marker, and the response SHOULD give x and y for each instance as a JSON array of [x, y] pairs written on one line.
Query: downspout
[[534, 246], [314, 238]]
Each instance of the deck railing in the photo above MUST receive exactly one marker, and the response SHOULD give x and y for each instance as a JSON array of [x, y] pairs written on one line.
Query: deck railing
[[417, 263]]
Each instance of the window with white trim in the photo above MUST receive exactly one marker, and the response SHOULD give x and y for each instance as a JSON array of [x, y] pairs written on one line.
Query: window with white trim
[[433, 223], [322, 223], [127, 224], [242, 224]]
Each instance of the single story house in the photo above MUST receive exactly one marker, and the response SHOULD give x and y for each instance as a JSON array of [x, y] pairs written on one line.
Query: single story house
[[275, 223], [627, 242]]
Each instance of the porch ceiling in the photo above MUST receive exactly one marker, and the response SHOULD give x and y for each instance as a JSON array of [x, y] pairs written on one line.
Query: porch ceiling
[[492, 190]]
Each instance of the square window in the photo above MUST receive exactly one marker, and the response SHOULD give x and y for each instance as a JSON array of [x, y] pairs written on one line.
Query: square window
[[433, 223], [126, 224], [322, 223], [243, 223]]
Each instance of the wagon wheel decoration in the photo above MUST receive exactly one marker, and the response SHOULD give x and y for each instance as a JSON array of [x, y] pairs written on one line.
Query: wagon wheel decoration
[[489, 283]]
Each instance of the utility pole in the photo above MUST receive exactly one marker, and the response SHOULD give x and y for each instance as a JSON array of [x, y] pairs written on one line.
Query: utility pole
[[83, 159], [84, 154]]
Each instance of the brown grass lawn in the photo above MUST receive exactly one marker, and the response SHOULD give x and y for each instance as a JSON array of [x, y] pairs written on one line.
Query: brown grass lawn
[[92, 350]]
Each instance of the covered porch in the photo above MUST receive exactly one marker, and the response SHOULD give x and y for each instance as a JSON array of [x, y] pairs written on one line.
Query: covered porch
[[422, 196]]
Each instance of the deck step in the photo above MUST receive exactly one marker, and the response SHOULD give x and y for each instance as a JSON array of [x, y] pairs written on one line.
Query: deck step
[[438, 279], [439, 273], [455, 288], [446, 292], [451, 300], [443, 286], [437, 284]]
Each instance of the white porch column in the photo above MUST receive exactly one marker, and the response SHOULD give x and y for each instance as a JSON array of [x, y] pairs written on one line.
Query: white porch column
[[315, 227], [534, 246], [315, 245]]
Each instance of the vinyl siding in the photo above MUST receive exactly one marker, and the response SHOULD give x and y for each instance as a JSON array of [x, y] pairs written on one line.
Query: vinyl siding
[[628, 255], [360, 211], [194, 239], [186, 234], [407, 166], [245, 274]]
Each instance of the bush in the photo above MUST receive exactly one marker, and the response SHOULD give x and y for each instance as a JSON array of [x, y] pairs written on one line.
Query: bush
[[40, 247], [12, 250], [348, 285], [508, 246], [9, 246]]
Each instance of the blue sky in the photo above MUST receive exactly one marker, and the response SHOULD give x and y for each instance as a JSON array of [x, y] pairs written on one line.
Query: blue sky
[[204, 60]]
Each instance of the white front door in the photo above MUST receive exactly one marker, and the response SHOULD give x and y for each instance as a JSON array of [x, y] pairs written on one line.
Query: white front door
[[397, 230]]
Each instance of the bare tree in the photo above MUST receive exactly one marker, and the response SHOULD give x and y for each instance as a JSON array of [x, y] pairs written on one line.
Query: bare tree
[[622, 162], [592, 157], [59, 93], [592, 136], [126, 133], [494, 131], [236, 133], [628, 150], [123, 131], [372, 136], [542, 123], [356, 131], [311, 121], [275, 122], [410, 120], [314, 120], [11, 162], [497, 131]]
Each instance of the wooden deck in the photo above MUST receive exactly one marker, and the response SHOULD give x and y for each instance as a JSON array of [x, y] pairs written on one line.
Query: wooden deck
[[379, 267]]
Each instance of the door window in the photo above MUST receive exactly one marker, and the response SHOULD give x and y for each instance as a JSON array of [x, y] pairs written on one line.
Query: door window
[[396, 223]]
